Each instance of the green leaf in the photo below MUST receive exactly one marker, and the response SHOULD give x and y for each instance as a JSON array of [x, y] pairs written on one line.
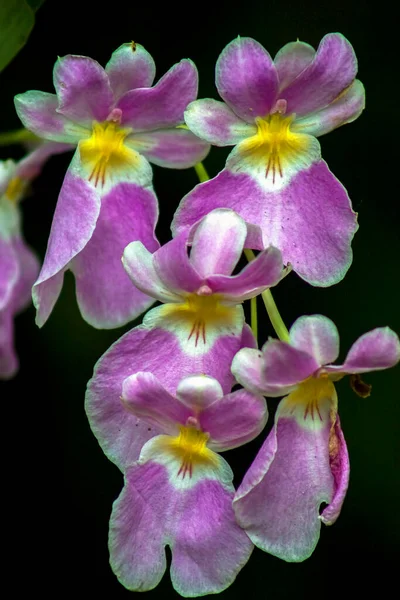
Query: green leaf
[[16, 23]]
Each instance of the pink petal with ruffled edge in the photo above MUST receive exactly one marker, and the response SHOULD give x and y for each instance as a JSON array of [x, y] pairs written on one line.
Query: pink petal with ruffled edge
[[375, 350], [138, 263], [234, 420], [106, 296], [278, 369], [344, 109], [278, 501], [28, 271], [318, 336], [38, 113], [199, 391], [163, 105], [218, 243], [171, 148], [145, 396], [310, 220], [291, 60], [120, 434], [340, 467], [333, 69], [208, 548], [174, 269], [130, 67], [216, 123], [83, 89], [9, 271], [246, 78], [265, 271], [74, 221]]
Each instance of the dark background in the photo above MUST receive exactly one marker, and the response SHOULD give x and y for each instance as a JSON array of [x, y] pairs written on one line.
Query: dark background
[[59, 486]]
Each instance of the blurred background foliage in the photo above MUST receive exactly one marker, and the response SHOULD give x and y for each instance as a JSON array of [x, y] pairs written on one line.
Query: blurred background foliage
[[65, 484]]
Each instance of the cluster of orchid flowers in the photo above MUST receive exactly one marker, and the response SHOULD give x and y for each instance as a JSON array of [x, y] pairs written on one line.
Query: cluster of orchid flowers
[[160, 401]]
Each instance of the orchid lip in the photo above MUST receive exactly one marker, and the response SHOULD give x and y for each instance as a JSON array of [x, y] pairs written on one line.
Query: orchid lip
[[105, 152]]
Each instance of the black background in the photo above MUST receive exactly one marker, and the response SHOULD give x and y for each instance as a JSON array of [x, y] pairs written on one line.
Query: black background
[[59, 487]]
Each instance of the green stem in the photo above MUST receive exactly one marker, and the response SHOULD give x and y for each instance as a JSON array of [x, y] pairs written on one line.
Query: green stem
[[201, 172], [272, 310], [17, 137], [253, 316]]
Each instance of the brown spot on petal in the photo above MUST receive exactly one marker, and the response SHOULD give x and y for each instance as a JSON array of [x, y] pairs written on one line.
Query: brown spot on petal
[[359, 386], [334, 445]]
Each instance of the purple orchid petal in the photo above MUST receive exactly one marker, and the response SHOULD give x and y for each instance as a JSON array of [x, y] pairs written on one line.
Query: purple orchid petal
[[346, 108], [164, 104], [20, 282], [38, 113], [317, 336], [246, 78], [285, 365], [218, 243], [83, 89], [216, 123], [106, 296], [120, 434], [333, 69], [130, 67], [309, 219], [172, 265], [208, 548], [275, 371], [291, 60], [171, 148], [138, 263], [199, 391], [145, 396], [137, 528], [234, 420], [264, 271], [74, 221], [8, 356], [9, 271], [28, 272], [278, 501], [340, 467], [375, 350], [248, 369]]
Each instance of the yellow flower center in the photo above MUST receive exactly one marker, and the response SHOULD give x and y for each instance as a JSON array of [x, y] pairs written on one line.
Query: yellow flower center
[[310, 393], [200, 312], [105, 151], [190, 448], [15, 189], [275, 144]]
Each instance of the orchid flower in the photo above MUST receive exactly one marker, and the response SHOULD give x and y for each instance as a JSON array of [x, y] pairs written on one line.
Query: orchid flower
[[273, 112], [199, 328], [19, 266], [179, 493], [304, 460], [119, 123]]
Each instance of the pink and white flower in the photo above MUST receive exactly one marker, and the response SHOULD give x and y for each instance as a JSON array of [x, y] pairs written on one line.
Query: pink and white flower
[[119, 124], [304, 460], [273, 112], [179, 493]]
